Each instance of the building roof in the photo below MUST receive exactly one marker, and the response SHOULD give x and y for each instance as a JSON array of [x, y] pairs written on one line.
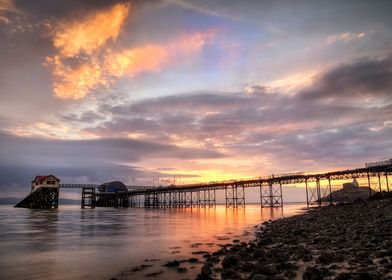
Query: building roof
[[114, 184], [41, 178]]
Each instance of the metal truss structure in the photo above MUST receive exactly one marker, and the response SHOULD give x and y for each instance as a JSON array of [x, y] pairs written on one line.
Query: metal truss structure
[[271, 195], [235, 196], [317, 187]]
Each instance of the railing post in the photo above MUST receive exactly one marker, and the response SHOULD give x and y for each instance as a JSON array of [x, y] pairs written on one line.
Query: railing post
[[370, 189], [379, 181], [281, 194], [307, 195], [330, 191]]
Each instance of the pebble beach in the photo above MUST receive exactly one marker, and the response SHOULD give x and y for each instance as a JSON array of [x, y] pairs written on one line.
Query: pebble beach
[[344, 241]]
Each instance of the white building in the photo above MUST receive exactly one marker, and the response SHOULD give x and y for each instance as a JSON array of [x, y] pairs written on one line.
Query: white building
[[48, 181]]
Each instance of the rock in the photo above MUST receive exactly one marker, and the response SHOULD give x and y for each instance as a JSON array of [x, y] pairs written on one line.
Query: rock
[[367, 276], [154, 274], [192, 260], [199, 252], [172, 263], [213, 260], [230, 274], [141, 267], [313, 273], [259, 277], [247, 266], [259, 253], [182, 269], [330, 257], [206, 270], [203, 277], [265, 269], [344, 276], [286, 266], [291, 274], [230, 261]]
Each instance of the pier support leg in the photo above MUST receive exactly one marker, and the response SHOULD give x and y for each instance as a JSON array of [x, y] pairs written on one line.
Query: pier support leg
[[151, 200], [307, 193], [379, 182], [235, 196], [88, 198], [313, 194], [370, 189], [271, 195], [318, 189]]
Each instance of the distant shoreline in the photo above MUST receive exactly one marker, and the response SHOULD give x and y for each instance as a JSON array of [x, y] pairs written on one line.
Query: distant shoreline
[[348, 241]]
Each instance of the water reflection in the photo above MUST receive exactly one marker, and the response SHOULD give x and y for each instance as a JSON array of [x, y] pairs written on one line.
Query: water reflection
[[42, 229], [70, 243]]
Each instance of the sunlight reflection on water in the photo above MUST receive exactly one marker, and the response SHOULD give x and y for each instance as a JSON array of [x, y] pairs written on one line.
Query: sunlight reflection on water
[[71, 243]]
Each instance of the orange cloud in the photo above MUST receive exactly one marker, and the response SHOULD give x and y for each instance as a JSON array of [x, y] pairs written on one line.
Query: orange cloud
[[193, 42], [153, 58], [91, 33], [75, 82], [132, 61], [84, 62]]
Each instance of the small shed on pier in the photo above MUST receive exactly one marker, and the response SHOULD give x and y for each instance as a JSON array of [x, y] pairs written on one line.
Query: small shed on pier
[[112, 187], [46, 181], [112, 194]]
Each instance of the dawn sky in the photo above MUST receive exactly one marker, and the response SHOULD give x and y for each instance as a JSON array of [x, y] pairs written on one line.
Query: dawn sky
[[93, 91]]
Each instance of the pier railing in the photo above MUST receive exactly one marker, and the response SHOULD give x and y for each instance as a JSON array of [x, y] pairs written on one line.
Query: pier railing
[[317, 186]]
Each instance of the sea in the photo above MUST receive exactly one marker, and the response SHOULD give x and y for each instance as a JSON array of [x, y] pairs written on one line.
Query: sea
[[134, 243]]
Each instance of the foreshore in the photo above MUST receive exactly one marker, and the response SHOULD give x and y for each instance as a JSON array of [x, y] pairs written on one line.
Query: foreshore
[[346, 241]]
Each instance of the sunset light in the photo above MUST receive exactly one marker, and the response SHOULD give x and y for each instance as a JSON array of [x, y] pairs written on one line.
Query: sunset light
[[143, 123]]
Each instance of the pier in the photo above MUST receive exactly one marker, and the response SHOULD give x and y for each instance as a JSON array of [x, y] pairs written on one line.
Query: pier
[[116, 194]]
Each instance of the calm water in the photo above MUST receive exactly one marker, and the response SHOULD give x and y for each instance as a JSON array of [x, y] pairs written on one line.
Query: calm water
[[71, 243]]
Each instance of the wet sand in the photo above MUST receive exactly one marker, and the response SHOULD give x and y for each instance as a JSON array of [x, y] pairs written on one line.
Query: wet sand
[[351, 241]]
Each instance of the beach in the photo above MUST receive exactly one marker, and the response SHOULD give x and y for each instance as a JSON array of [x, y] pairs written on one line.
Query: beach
[[345, 241]]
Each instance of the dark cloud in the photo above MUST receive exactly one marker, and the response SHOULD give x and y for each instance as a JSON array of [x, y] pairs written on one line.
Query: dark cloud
[[190, 102], [85, 117], [302, 127], [57, 9], [363, 79], [23, 149], [90, 160]]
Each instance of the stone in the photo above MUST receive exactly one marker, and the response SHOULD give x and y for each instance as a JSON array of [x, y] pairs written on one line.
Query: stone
[[312, 273], [172, 263], [206, 270], [230, 261], [259, 277], [182, 270]]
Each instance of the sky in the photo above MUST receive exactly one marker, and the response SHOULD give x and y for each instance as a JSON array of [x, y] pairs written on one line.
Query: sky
[[192, 91]]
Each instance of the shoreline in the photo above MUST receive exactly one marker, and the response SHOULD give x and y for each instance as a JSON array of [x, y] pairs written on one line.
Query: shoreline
[[345, 241], [185, 260]]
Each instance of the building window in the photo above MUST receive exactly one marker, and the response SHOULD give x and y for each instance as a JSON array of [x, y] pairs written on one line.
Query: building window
[[51, 182]]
